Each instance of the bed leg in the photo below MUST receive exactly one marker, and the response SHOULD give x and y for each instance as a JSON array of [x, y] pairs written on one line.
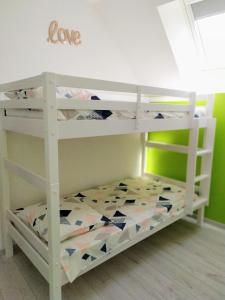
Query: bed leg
[[200, 215], [8, 245], [55, 291]]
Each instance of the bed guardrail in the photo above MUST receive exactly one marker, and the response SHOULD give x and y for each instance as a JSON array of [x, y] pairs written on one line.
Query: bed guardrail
[[154, 94], [86, 83]]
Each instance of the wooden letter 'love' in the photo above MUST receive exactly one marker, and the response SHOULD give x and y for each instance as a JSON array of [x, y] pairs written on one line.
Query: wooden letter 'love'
[[57, 35]]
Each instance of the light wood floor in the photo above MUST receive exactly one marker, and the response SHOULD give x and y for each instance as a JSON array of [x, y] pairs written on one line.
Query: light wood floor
[[179, 262]]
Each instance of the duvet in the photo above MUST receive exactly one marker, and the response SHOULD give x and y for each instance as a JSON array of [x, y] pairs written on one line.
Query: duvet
[[115, 214]]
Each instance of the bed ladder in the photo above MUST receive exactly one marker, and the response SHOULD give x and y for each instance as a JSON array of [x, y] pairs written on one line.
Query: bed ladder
[[199, 183], [194, 183]]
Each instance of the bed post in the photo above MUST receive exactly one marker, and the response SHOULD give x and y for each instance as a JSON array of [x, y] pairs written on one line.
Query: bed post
[[138, 107], [144, 137], [8, 243], [192, 156], [52, 176], [206, 166], [210, 105]]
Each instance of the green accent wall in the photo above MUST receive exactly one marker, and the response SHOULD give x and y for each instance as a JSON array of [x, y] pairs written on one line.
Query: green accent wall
[[173, 165]]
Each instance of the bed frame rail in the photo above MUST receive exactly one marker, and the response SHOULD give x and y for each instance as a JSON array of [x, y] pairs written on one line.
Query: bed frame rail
[[31, 82], [36, 180], [39, 245], [36, 127]]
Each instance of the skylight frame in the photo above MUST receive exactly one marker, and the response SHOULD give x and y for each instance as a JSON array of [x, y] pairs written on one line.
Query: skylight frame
[[197, 37]]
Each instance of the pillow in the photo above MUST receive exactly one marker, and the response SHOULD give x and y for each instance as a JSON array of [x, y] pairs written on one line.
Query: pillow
[[24, 94], [61, 92], [75, 218]]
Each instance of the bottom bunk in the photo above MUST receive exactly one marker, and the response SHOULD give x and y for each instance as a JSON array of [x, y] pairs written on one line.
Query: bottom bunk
[[98, 223]]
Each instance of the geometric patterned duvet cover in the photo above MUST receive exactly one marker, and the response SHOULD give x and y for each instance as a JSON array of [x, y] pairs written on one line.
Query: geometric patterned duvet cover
[[130, 206], [76, 218]]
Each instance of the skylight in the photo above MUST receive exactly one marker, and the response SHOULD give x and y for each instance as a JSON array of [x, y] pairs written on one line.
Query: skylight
[[212, 33]]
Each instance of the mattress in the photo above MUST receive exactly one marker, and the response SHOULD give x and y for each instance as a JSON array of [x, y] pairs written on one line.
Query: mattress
[[128, 208]]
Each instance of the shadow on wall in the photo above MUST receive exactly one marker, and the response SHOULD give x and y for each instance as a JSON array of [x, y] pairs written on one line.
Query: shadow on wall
[[83, 163], [174, 164]]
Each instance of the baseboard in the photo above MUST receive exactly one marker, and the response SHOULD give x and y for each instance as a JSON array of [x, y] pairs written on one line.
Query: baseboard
[[215, 223], [207, 223]]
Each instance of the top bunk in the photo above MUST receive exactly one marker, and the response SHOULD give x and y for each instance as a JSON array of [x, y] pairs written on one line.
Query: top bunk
[[56, 102]]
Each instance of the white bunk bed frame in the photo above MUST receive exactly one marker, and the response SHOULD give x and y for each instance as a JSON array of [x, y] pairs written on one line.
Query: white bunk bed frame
[[46, 258]]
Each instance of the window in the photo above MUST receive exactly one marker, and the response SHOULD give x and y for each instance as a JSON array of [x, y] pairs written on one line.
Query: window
[[208, 22], [196, 32]]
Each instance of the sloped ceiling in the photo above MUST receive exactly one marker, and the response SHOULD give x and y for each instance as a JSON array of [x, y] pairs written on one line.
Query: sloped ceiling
[[136, 29]]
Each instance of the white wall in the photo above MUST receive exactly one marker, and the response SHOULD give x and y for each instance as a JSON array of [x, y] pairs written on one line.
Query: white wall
[[109, 50], [84, 163], [122, 40], [25, 51], [137, 29]]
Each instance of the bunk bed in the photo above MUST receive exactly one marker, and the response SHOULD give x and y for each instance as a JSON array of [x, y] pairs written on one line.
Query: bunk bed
[[112, 217]]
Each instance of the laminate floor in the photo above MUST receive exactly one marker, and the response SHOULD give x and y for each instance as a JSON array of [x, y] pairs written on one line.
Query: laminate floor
[[180, 262]]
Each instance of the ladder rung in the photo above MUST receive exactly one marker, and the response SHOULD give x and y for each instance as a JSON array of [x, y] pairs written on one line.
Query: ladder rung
[[202, 152], [201, 177], [168, 147], [176, 148], [199, 202]]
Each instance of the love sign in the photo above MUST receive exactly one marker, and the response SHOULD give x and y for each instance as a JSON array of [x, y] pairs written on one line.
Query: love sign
[[59, 35]]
